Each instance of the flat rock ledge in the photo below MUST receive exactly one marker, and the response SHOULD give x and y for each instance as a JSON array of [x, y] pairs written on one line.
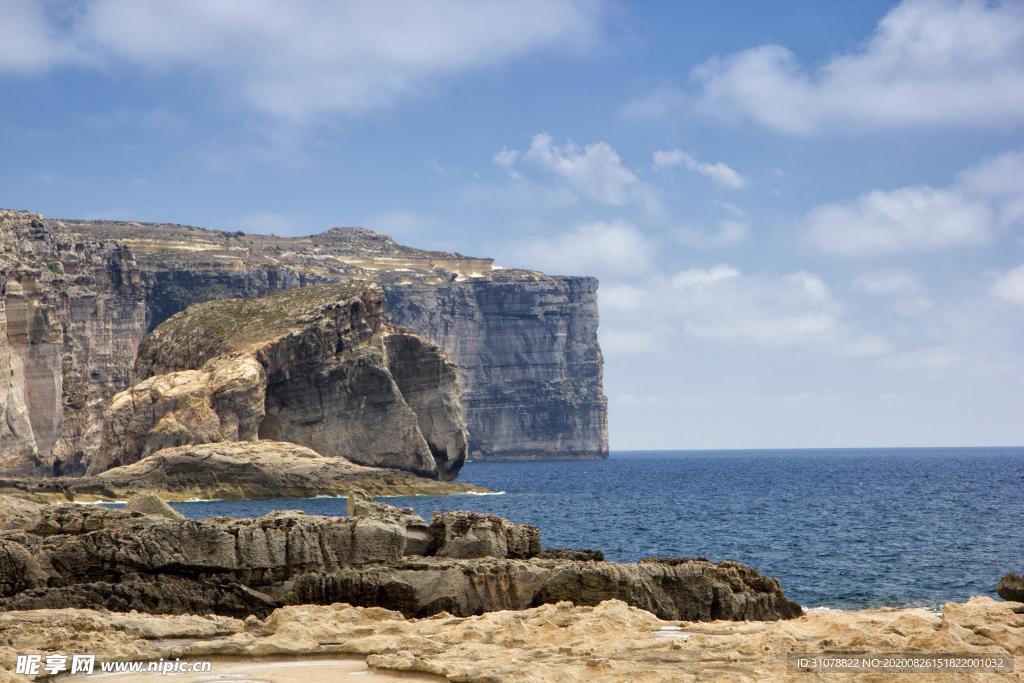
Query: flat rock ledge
[[233, 470], [461, 563], [549, 643]]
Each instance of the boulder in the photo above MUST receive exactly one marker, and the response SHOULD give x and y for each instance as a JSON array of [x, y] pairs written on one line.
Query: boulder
[[1011, 587]]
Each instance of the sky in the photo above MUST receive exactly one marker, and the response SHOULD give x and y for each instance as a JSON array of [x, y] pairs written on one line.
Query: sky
[[807, 218]]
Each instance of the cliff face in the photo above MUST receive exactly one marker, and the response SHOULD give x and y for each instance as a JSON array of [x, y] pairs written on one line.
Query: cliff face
[[79, 296], [527, 348], [72, 311]]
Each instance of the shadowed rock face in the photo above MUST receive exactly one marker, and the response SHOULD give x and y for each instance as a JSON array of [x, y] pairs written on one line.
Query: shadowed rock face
[[314, 366], [77, 297], [462, 563]]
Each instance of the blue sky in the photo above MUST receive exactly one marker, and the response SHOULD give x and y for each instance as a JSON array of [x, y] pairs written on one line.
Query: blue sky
[[806, 217]]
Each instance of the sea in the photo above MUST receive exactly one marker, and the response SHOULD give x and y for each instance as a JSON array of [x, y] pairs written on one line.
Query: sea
[[847, 528]]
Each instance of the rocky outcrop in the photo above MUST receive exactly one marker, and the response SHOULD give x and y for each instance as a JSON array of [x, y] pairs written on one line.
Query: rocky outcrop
[[547, 644], [1011, 587], [314, 366], [472, 534], [222, 401], [379, 555], [225, 470]]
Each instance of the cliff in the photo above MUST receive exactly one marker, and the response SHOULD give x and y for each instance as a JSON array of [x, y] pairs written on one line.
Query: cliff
[[78, 296]]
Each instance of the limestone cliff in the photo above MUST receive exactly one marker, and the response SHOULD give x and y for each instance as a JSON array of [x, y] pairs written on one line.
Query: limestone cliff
[[316, 366], [72, 312], [76, 298]]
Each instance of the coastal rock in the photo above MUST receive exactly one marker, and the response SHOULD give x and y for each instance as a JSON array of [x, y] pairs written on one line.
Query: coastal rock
[[17, 512], [1011, 587], [150, 504], [419, 539], [581, 554], [378, 556], [690, 589], [472, 534], [223, 401], [554, 643], [313, 366]]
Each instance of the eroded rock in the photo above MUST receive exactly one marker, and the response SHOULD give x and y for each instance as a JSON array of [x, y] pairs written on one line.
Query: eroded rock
[[313, 366]]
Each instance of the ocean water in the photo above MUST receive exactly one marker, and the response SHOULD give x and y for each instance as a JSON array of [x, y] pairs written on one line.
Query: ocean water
[[839, 528]]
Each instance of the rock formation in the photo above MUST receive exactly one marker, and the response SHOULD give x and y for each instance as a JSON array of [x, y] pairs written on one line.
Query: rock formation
[[72, 312], [315, 366], [76, 298], [607, 643], [1011, 587], [228, 470], [88, 557]]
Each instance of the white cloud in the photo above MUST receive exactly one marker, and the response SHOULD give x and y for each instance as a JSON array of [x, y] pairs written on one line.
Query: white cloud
[[722, 303], [728, 233], [930, 62], [299, 59], [1010, 286], [596, 170], [983, 200], [28, 40], [883, 282], [907, 293], [718, 171], [589, 249]]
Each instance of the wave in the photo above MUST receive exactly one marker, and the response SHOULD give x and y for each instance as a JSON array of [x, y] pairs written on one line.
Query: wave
[[479, 493]]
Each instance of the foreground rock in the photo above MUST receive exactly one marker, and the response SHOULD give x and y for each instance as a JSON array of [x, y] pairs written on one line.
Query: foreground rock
[[610, 642], [315, 366], [1011, 587], [87, 557]]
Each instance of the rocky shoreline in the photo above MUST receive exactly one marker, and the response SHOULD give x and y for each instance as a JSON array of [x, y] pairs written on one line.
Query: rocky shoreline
[[466, 596]]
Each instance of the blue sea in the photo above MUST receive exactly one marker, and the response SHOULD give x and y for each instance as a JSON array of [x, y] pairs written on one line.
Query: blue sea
[[839, 528]]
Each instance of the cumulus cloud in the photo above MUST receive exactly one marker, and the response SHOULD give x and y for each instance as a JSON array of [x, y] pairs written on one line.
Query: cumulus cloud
[[1010, 286], [595, 170], [718, 172], [589, 249], [984, 199], [931, 62], [299, 59], [722, 303]]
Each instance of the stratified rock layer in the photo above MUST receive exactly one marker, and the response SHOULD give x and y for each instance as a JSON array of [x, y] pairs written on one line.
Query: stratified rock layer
[[72, 313], [314, 366], [75, 556], [76, 298]]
